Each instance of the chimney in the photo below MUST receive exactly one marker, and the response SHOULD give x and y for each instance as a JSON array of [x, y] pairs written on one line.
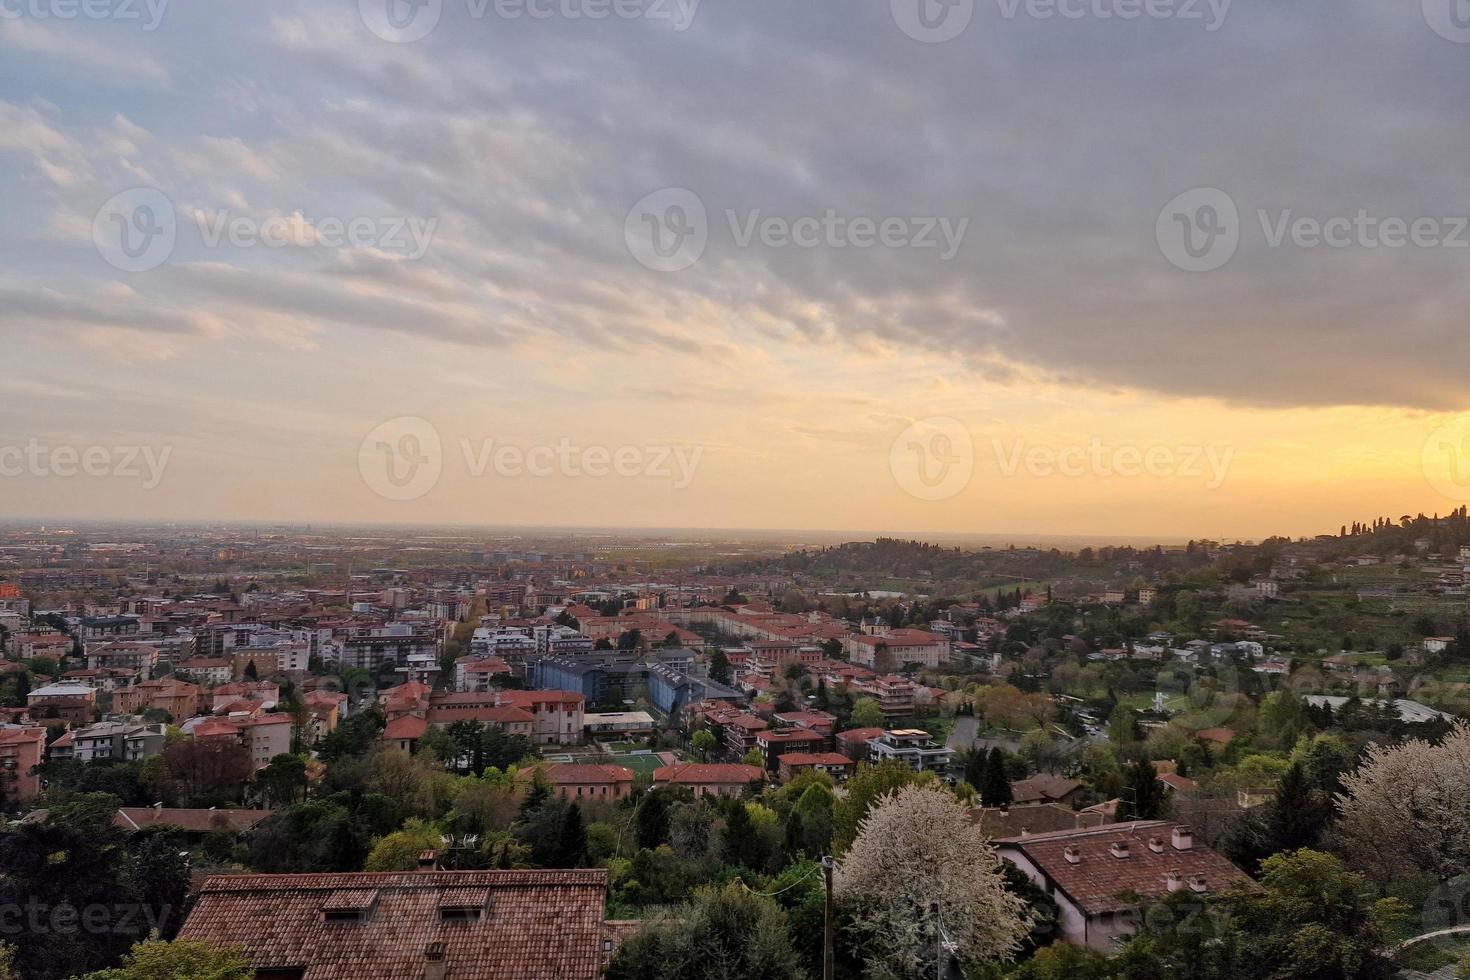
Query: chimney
[[435, 967], [1197, 884], [428, 859], [1183, 838], [1173, 881], [1156, 844], [1072, 855], [1119, 849]]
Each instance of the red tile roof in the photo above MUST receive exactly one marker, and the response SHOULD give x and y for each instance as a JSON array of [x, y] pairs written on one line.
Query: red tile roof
[[573, 774], [1100, 882], [707, 773], [408, 726], [535, 925]]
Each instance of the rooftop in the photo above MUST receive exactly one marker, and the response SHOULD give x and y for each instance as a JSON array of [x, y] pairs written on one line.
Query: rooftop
[[479, 925]]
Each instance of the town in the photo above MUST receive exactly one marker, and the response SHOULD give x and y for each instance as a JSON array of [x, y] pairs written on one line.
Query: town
[[271, 748]]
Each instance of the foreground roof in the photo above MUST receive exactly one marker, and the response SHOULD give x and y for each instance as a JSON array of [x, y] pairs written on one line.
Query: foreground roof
[[1099, 881], [531, 925]]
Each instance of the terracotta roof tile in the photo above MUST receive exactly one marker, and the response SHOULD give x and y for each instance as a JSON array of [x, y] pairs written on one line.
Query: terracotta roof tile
[[534, 925]]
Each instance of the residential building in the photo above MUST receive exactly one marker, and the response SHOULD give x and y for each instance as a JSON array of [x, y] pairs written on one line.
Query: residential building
[[111, 741], [853, 743], [894, 694], [479, 673], [709, 779], [1033, 818], [441, 925], [70, 703], [1046, 788], [582, 783], [177, 699], [834, 764], [740, 733], [774, 744], [208, 671], [21, 750], [139, 658], [1100, 876], [897, 648], [912, 746]]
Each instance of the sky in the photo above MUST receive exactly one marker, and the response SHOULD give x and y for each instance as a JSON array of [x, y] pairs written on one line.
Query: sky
[[1174, 267]]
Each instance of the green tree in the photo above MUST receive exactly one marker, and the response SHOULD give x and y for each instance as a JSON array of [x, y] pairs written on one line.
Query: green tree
[[995, 787], [720, 934], [1143, 794], [182, 959], [867, 713], [283, 780], [400, 850], [809, 825], [704, 742], [864, 789]]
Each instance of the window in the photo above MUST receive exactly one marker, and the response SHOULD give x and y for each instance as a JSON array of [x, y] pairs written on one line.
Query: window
[[452, 916]]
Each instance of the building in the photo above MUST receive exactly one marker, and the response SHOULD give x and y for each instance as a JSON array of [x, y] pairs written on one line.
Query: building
[[774, 744], [709, 779], [177, 699], [671, 691], [853, 743], [478, 673], [740, 733], [618, 724], [1046, 788], [896, 648], [911, 746], [438, 925], [834, 764], [71, 703], [139, 658], [581, 783], [1099, 876], [1033, 818], [208, 671], [894, 694], [21, 750], [110, 741]]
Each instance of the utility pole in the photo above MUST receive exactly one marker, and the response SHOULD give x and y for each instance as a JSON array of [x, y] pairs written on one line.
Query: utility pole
[[827, 964], [938, 943]]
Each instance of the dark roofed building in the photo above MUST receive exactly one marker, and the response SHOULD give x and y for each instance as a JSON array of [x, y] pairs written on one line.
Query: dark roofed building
[[1099, 876], [426, 925]]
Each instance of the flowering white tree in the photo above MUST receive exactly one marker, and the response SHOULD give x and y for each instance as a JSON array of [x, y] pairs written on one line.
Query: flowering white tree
[[1407, 808], [916, 850]]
